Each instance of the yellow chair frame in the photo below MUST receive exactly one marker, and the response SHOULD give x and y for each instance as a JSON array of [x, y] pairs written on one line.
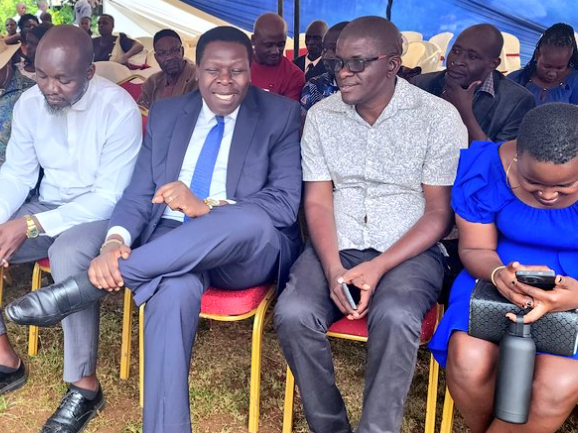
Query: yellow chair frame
[[432, 389], [127, 313], [260, 320]]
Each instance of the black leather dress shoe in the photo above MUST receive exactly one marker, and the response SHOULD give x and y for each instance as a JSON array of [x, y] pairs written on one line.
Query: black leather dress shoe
[[13, 381], [47, 306], [74, 413]]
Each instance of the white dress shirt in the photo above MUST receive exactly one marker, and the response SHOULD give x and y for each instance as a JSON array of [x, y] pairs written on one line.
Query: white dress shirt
[[309, 62], [87, 152], [218, 190]]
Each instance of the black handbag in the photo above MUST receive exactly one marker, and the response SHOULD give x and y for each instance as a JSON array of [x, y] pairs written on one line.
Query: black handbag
[[555, 333]]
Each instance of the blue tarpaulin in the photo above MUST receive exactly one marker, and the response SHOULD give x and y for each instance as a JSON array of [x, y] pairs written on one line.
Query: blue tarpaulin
[[526, 19]]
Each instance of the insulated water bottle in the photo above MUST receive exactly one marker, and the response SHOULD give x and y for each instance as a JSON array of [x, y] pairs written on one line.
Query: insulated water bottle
[[515, 373]]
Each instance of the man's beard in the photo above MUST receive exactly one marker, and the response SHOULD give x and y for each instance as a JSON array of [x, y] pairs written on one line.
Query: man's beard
[[60, 111]]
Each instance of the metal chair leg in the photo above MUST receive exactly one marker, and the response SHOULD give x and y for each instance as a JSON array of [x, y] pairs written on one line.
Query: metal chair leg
[[447, 414], [141, 313], [33, 330], [289, 402], [1, 285], [126, 335]]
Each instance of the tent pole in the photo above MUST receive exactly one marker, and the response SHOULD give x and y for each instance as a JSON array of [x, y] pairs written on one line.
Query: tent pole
[[280, 8], [296, 30]]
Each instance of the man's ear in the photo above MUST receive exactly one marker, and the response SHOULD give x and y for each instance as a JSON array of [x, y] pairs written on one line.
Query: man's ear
[[393, 65], [496, 62], [91, 71]]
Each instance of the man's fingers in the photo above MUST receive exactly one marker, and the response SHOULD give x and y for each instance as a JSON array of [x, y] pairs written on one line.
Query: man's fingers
[[363, 302], [338, 303], [474, 85], [125, 251], [92, 276]]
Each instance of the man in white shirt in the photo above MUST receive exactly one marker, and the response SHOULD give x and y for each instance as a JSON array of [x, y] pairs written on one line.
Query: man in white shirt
[[85, 133], [213, 201], [311, 63]]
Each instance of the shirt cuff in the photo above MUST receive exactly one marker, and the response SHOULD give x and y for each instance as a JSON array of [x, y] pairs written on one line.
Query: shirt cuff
[[122, 232], [51, 222], [230, 201], [4, 216]]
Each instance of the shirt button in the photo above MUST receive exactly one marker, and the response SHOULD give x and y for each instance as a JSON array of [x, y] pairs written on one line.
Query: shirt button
[[365, 219]]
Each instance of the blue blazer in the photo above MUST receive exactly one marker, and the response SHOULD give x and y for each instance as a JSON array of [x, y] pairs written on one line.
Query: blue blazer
[[264, 165]]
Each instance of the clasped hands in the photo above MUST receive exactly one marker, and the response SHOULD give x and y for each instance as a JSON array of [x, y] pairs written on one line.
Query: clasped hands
[[563, 297], [104, 271], [364, 276]]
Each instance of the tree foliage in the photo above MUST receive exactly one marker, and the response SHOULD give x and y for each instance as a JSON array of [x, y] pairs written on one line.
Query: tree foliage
[[61, 15]]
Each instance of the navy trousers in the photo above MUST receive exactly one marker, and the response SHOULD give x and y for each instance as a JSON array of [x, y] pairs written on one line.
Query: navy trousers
[[233, 247]]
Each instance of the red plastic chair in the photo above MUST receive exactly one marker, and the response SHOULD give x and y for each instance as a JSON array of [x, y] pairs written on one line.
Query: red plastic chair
[[356, 330], [226, 306]]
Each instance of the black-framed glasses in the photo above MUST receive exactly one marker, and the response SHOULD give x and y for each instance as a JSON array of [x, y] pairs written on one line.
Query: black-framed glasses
[[354, 65]]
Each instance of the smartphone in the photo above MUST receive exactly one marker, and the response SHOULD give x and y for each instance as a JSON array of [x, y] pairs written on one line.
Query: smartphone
[[542, 279], [348, 296]]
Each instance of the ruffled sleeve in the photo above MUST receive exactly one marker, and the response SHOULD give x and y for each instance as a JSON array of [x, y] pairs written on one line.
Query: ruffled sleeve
[[480, 188]]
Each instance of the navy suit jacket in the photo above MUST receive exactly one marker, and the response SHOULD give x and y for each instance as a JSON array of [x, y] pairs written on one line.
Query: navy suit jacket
[[264, 167], [317, 70]]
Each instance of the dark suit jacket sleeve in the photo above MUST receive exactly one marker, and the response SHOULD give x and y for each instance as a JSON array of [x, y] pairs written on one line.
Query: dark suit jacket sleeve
[[281, 195], [134, 210], [512, 124]]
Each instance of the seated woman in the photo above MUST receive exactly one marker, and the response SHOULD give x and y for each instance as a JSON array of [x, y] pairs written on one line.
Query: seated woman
[[31, 39], [25, 23], [12, 85], [109, 47], [516, 205], [552, 73]]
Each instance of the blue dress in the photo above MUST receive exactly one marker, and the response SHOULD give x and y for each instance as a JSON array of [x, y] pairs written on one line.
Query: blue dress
[[526, 234], [566, 92]]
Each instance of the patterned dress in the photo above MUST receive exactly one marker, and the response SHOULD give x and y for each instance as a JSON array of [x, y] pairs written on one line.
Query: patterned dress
[[8, 97]]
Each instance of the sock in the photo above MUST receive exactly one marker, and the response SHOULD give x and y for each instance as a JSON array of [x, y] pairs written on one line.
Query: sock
[[86, 393], [88, 292], [8, 370]]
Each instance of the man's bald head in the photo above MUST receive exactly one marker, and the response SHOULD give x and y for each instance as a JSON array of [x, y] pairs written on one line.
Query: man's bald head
[[270, 22], [314, 39], [72, 40], [381, 33], [318, 27], [64, 66], [21, 8], [489, 38], [269, 38]]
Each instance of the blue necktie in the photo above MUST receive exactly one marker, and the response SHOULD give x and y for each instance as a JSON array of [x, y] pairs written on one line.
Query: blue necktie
[[203, 174]]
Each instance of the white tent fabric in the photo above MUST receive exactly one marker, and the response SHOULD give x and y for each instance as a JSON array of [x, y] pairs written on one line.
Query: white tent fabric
[[146, 17]]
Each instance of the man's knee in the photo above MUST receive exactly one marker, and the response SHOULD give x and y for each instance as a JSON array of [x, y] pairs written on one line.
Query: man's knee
[[177, 295], [294, 317], [251, 223], [395, 318]]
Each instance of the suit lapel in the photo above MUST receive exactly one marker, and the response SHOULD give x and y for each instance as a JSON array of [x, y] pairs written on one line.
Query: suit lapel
[[183, 130], [241, 141]]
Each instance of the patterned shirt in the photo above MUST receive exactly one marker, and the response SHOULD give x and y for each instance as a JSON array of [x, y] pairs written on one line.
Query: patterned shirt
[[8, 97], [315, 90], [378, 171]]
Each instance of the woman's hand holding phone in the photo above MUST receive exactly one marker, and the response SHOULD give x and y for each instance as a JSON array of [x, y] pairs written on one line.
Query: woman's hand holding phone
[[507, 284], [563, 297]]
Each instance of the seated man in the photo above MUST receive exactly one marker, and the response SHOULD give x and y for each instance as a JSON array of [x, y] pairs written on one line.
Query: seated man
[[491, 106], [271, 70], [178, 75], [109, 47], [85, 133], [213, 201], [379, 160], [311, 63], [319, 88], [12, 85]]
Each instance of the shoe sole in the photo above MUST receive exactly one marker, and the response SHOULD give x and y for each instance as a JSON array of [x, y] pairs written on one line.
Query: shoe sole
[[15, 385]]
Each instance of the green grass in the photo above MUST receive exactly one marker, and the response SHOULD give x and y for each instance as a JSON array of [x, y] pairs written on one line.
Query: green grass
[[219, 378]]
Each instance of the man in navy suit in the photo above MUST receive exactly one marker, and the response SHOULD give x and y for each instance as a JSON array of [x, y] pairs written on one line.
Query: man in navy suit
[[213, 201], [311, 63]]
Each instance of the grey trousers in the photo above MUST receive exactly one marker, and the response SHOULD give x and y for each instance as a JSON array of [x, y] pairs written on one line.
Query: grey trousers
[[70, 253], [305, 311]]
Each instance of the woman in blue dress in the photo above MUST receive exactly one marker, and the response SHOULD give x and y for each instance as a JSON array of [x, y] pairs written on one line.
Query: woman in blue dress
[[552, 74], [516, 206]]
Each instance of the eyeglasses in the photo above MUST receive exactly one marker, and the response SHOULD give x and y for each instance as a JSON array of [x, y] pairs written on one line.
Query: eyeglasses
[[354, 65], [171, 52]]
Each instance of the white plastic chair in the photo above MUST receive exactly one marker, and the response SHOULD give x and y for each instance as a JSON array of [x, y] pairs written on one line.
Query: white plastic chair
[[510, 56], [412, 36], [146, 42], [112, 71], [415, 52], [151, 61], [430, 60], [442, 40]]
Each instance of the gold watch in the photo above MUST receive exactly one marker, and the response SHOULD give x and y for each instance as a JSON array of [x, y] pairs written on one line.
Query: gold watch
[[211, 202], [31, 229]]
